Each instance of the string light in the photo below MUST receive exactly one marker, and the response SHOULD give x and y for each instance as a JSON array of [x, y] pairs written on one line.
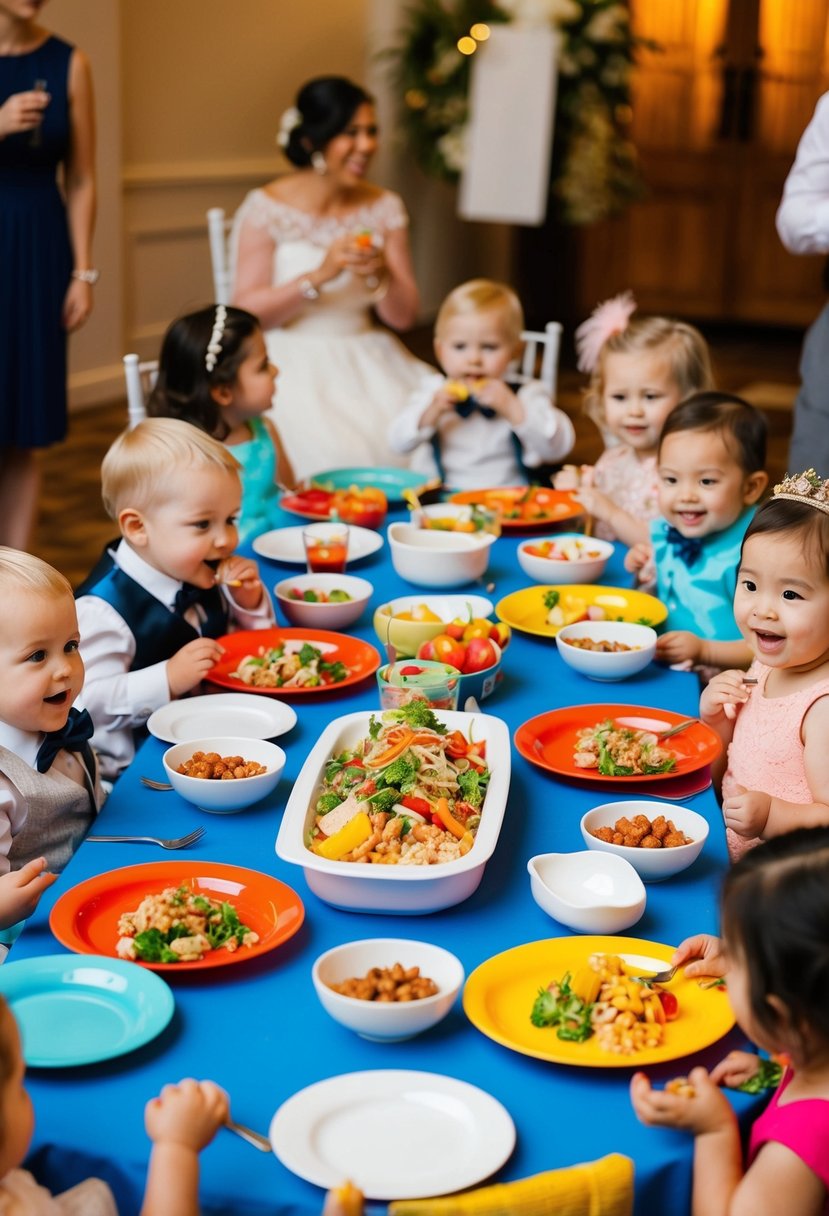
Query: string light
[[479, 31], [467, 45]]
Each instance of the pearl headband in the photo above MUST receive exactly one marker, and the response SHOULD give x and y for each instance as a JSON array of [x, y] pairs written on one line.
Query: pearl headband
[[214, 346]]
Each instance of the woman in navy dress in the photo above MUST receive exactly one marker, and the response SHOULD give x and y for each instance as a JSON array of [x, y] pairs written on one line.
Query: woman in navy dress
[[46, 271]]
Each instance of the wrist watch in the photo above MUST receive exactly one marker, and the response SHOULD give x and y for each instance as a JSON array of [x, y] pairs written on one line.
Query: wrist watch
[[307, 289], [87, 276]]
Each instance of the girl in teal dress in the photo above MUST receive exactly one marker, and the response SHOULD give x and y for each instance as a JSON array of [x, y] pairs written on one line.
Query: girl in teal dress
[[214, 372]]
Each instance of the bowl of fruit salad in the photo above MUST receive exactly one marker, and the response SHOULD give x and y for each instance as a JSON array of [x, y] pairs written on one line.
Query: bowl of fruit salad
[[566, 558], [475, 648], [409, 620], [323, 601]]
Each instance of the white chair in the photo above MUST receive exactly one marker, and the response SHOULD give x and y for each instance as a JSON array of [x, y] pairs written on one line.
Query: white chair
[[140, 378], [549, 343], [218, 231]]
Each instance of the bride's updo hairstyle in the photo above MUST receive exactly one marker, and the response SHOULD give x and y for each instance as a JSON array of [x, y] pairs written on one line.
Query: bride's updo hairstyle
[[326, 106]]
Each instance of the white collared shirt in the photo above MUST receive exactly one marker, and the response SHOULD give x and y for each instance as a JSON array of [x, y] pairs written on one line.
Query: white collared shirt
[[120, 699]]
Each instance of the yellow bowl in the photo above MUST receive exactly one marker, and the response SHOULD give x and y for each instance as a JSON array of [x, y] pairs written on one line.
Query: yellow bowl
[[526, 610], [407, 636]]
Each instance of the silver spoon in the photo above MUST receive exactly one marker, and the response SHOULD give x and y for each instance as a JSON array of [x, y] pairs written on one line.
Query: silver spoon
[[247, 1133], [674, 730], [155, 785]]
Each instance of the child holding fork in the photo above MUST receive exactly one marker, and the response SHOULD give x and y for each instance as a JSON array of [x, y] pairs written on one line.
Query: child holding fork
[[151, 610]]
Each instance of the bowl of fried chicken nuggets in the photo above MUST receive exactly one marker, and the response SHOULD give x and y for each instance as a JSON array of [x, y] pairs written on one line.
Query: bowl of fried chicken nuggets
[[659, 839], [224, 775]]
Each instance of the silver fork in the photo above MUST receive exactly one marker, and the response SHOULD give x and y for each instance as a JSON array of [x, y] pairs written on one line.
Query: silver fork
[[175, 842], [155, 785], [659, 977]]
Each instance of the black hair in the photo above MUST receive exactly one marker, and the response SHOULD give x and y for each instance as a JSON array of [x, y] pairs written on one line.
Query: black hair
[[775, 919], [184, 382], [784, 515], [743, 427], [326, 106]]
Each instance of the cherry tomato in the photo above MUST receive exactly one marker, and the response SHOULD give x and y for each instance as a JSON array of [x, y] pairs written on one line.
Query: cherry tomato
[[669, 1004]]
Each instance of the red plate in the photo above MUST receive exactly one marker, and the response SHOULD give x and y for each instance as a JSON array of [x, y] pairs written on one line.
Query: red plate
[[310, 504], [538, 506], [361, 659], [85, 919], [550, 739]]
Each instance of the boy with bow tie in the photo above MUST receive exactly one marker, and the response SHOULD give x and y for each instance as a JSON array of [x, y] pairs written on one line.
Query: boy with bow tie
[[50, 790], [710, 465], [470, 427], [151, 610]]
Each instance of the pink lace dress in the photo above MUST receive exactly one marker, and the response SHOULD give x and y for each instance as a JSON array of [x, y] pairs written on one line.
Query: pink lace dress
[[342, 378], [766, 750], [801, 1126], [631, 483]]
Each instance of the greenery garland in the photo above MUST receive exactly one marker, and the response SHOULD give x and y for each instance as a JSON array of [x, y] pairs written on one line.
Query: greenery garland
[[594, 171]]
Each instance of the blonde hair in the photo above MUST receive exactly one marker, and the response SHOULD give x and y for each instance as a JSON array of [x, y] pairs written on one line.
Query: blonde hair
[[482, 295], [145, 465], [683, 345], [19, 570]]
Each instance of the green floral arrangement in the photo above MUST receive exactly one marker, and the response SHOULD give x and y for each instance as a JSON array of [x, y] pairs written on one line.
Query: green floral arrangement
[[594, 171]]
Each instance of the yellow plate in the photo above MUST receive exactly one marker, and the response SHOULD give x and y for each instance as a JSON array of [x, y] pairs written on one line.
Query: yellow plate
[[499, 996], [526, 611]]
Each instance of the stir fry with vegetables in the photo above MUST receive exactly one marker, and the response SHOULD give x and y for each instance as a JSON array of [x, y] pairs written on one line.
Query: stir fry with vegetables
[[620, 751], [285, 666], [180, 926], [411, 792]]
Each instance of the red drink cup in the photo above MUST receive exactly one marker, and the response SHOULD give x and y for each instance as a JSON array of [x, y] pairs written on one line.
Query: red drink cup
[[326, 548]]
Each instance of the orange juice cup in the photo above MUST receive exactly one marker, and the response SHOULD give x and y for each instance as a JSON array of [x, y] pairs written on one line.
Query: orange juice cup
[[326, 548]]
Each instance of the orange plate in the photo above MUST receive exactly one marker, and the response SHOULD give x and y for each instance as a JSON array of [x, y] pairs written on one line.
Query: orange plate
[[550, 739], [539, 506], [85, 919], [315, 504], [361, 659]]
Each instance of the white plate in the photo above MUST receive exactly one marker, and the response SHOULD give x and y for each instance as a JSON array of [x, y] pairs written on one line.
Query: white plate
[[237, 714], [447, 1134], [285, 544]]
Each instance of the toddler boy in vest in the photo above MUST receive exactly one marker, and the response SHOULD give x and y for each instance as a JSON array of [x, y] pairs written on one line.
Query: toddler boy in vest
[[151, 610]]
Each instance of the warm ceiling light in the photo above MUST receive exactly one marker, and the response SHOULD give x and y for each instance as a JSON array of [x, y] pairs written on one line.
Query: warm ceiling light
[[467, 46], [480, 32]]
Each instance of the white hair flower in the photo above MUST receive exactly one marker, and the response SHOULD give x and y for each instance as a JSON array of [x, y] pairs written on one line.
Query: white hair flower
[[290, 119]]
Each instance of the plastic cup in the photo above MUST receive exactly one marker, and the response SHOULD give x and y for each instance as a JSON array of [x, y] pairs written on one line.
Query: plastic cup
[[326, 548], [419, 680]]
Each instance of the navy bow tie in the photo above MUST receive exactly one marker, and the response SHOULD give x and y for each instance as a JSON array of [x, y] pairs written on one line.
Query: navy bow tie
[[687, 548], [74, 736], [188, 595], [464, 408]]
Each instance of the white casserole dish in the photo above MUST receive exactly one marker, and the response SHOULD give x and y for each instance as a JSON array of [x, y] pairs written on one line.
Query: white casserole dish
[[408, 890]]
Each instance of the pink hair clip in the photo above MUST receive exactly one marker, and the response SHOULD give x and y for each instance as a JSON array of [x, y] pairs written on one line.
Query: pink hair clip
[[610, 317]]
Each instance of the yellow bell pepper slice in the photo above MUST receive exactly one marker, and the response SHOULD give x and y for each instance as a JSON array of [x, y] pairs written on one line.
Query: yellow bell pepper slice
[[354, 833]]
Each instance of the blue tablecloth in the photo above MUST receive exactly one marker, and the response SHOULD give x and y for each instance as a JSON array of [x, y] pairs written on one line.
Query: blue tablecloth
[[258, 1029]]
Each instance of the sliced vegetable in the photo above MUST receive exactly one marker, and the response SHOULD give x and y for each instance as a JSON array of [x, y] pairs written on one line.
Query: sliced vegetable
[[355, 833]]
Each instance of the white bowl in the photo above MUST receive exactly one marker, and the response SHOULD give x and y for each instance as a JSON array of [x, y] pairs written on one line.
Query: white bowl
[[438, 559], [323, 616], [589, 892], [407, 890], [651, 864], [387, 1021], [225, 797], [554, 570], [610, 665]]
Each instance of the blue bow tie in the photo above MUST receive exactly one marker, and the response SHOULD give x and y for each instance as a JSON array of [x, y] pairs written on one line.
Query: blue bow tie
[[687, 548], [464, 408], [74, 736]]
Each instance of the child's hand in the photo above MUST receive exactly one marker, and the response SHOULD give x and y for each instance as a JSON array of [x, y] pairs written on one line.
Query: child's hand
[[708, 1110], [705, 954], [637, 557], [746, 812], [500, 397], [737, 1068], [21, 889], [596, 503], [570, 477], [722, 696], [678, 646], [190, 665], [443, 402], [344, 1200], [241, 576], [188, 1114]]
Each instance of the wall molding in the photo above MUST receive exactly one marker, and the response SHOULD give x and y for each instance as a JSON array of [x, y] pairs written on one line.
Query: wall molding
[[229, 172]]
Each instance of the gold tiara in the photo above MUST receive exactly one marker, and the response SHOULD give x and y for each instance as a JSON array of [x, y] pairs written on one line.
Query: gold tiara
[[807, 488]]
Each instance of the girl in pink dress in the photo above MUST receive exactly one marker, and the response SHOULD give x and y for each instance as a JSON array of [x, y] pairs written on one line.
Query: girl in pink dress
[[775, 920], [774, 719], [639, 371]]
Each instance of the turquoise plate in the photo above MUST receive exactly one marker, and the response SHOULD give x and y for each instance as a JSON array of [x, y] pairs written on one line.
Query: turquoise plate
[[391, 481], [78, 1011]]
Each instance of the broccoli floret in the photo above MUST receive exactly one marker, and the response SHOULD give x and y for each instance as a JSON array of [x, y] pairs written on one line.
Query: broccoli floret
[[400, 772], [337, 672], [551, 599], [308, 653], [327, 802], [384, 799], [416, 714], [545, 1011], [473, 786]]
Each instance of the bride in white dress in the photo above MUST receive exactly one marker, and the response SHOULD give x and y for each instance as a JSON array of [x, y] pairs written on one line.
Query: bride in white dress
[[316, 253]]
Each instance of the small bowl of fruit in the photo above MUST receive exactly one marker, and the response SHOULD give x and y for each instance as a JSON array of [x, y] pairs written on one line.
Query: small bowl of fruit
[[409, 620], [567, 558], [458, 517], [475, 648], [322, 601], [419, 680]]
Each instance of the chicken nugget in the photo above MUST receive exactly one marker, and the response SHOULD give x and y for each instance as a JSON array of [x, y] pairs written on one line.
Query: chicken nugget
[[605, 834], [660, 827], [650, 842], [674, 840]]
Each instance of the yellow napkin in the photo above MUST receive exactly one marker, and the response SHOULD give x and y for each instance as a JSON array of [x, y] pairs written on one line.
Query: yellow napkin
[[597, 1188]]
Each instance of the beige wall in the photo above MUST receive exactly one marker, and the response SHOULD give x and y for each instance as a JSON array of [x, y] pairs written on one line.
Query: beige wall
[[189, 96]]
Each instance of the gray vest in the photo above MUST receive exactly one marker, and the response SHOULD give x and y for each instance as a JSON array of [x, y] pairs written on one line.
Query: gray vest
[[59, 813]]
